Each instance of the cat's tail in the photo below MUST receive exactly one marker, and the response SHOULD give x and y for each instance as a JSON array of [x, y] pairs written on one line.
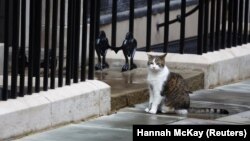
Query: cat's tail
[[207, 110]]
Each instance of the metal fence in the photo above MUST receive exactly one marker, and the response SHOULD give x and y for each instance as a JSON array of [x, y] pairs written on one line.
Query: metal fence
[[228, 22], [30, 67], [221, 24]]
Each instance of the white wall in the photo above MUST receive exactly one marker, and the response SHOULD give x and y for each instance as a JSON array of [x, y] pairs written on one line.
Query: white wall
[[140, 25]]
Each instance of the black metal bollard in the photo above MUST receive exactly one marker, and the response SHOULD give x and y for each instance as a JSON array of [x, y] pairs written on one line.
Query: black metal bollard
[[128, 47]]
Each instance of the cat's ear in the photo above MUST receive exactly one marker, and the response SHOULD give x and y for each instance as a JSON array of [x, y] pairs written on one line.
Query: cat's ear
[[149, 56], [164, 55]]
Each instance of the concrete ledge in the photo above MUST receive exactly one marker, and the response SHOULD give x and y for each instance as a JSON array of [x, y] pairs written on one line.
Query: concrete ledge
[[129, 99], [220, 67], [55, 107]]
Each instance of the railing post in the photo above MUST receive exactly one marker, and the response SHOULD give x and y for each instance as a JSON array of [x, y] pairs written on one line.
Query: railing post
[[98, 14], [166, 25], [212, 26], [235, 22], [230, 24], [114, 22], [61, 44], [69, 42], [224, 24], [37, 43], [31, 46], [46, 46], [240, 28], [183, 24], [84, 39], [200, 27], [54, 43], [131, 15], [5, 94], [149, 23], [206, 19], [22, 49], [92, 39], [15, 48], [73, 39], [77, 39], [218, 25], [245, 37]]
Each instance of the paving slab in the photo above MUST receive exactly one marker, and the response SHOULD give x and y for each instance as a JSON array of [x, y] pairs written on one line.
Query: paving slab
[[139, 108], [240, 118], [82, 133], [126, 120], [118, 126], [222, 97], [246, 82], [231, 108], [237, 88], [193, 121]]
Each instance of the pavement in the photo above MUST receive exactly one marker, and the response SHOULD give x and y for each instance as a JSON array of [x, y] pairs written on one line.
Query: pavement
[[235, 98]]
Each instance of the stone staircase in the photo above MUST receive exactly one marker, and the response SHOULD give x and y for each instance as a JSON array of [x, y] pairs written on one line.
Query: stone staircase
[[129, 88]]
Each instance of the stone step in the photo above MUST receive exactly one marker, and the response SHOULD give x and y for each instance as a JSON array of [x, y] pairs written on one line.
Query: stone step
[[129, 88]]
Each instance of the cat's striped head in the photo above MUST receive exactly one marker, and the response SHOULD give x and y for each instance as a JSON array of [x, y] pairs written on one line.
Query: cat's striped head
[[156, 62]]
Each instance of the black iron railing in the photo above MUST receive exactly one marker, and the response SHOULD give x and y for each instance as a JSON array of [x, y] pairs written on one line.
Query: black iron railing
[[221, 24], [28, 63]]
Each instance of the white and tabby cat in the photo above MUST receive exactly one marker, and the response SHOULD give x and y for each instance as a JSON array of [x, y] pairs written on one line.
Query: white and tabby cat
[[168, 91]]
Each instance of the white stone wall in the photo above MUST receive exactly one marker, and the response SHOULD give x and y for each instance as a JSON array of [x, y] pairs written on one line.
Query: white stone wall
[[55, 107]]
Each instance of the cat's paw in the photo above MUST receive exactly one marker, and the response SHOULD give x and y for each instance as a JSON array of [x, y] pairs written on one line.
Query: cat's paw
[[165, 109], [147, 110], [153, 111], [182, 112]]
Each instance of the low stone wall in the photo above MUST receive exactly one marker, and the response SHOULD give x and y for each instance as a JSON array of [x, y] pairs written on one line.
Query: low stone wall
[[220, 67], [52, 108]]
